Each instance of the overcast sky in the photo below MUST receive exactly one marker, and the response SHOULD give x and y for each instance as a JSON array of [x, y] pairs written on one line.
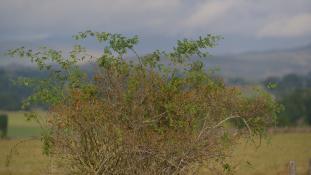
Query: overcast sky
[[246, 25]]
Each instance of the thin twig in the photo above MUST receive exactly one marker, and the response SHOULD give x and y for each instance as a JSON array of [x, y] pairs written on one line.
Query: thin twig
[[217, 125]]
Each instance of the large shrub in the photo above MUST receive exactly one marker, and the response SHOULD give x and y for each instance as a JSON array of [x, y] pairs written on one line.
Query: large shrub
[[160, 114]]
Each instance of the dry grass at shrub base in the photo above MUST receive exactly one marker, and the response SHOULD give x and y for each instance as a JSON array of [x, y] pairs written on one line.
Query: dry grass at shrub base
[[271, 158]]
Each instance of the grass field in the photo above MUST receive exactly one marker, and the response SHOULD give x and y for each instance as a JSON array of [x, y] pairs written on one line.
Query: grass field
[[19, 127], [269, 159], [273, 157]]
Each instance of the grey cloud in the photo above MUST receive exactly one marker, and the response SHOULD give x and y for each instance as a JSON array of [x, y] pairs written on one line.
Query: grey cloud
[[295, 26], [43, 19]]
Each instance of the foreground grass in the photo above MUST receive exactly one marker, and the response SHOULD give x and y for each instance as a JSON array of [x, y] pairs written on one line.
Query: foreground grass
[[27, 159], [271, 158]]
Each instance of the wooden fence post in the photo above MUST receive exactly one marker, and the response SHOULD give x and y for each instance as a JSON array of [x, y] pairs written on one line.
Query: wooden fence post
[[292, 167]]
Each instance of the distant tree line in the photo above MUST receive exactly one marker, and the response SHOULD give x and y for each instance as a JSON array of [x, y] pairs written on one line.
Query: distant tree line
[[11, 93], [294, 92], [291, 90]]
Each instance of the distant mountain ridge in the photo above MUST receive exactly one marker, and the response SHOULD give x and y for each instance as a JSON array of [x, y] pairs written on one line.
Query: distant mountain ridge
[[251, 66], [260, 65]]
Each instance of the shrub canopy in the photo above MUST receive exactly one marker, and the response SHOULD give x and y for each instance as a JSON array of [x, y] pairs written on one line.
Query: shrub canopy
[[162, 113]]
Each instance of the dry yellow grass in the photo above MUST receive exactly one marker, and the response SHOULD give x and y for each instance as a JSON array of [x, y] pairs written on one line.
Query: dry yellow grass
[[273, 155], [27, 159], [272, 158]]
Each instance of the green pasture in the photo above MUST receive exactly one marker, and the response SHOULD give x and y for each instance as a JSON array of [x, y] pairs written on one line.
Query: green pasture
[[19, 127]]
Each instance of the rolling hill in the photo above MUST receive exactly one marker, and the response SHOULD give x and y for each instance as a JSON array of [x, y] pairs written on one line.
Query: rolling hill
[[251, 66], [254, 66]]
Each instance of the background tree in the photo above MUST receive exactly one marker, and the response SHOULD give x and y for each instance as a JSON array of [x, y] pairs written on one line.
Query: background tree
[[293, 92], [297, 107], [3, 126]]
